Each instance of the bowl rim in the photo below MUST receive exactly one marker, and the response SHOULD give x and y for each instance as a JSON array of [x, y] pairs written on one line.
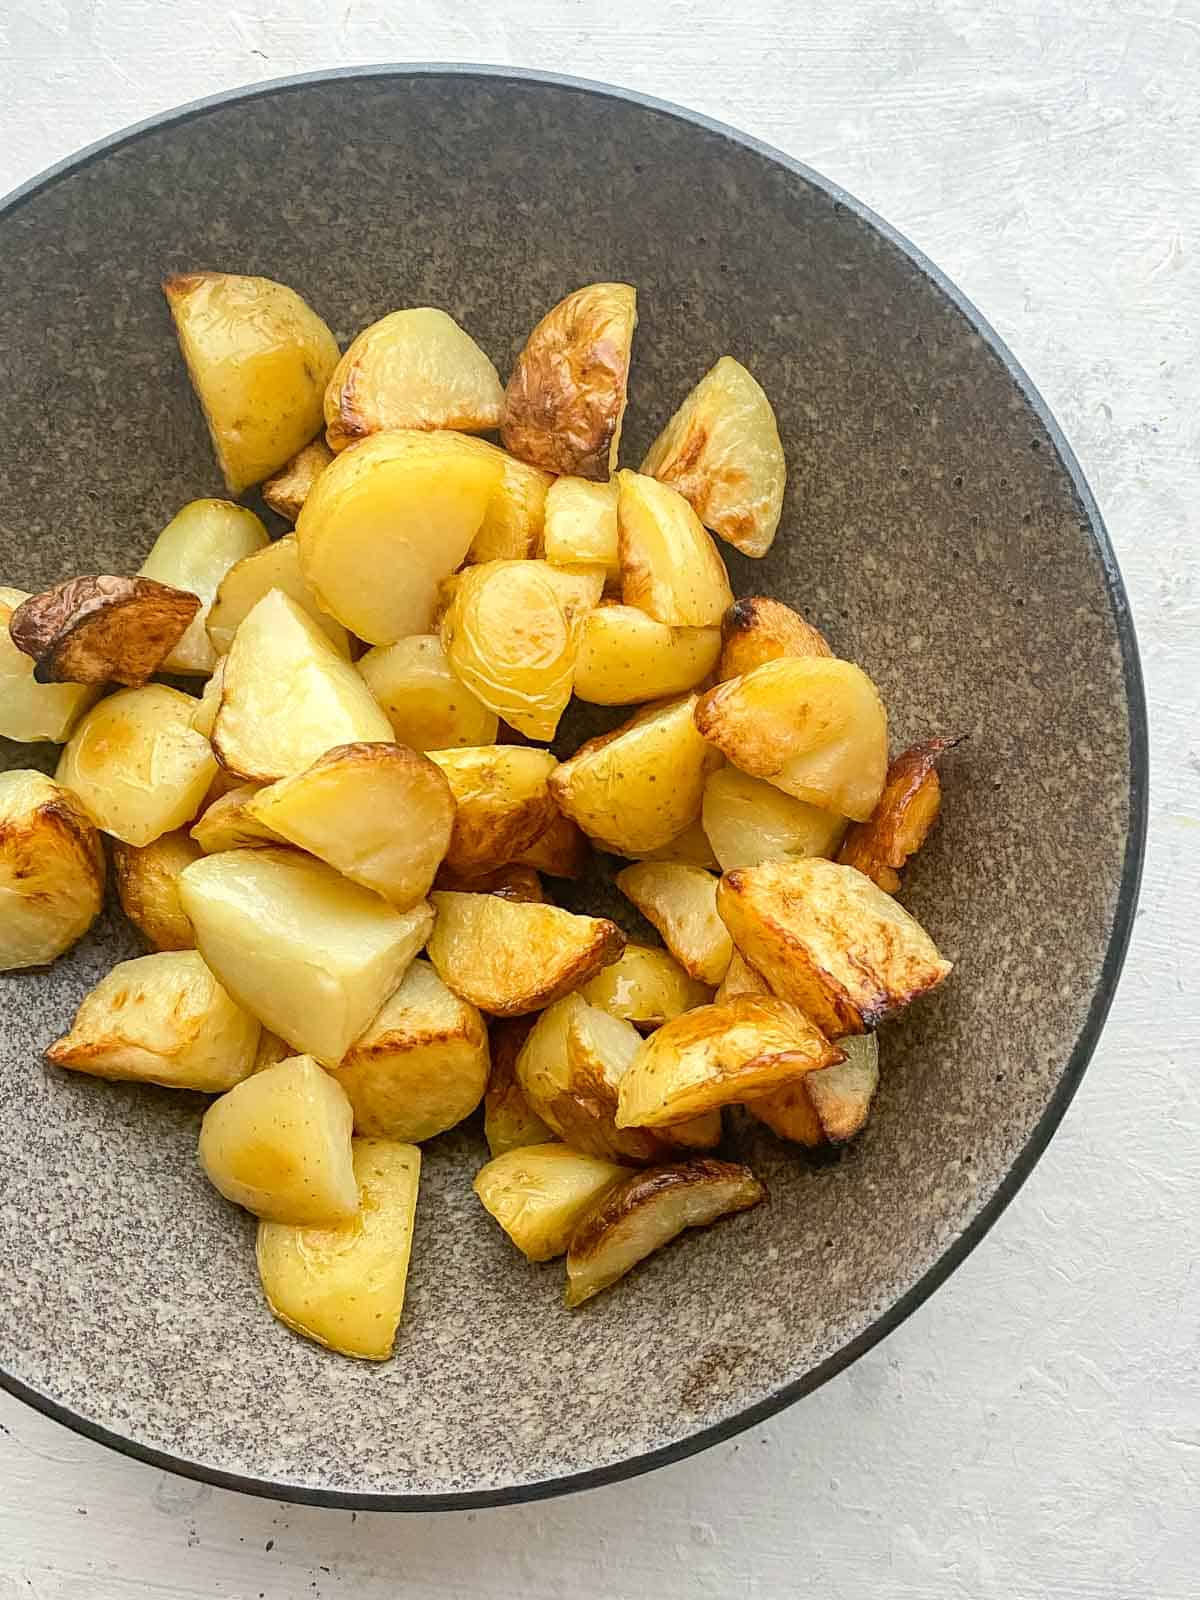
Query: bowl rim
[[1124, 908]]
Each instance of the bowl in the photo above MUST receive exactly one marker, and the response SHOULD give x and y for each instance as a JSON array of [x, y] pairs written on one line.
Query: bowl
[[936, 526]]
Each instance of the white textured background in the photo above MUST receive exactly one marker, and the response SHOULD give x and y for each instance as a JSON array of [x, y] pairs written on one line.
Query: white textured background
[[1034, 1431]]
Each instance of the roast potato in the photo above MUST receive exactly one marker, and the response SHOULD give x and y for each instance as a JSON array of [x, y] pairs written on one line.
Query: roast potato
[[899, 824], [565, 401], [681, 902], [51, 870], [427, 706], [259, 359], [244, 585], [101, 630], [512, 525], [748, 820], [626, 658], [509, 1121], [31, 711], [229, 824], [790, 1113], [161, 1018], [757, 629], [510, 882], [826, 939], [287, 491], [147, 880], [562, 851], [194, 552], [581, 525], [502, 803], [740, 978], [539, 1193], [271, 1048], [645, 986], [670, 567], [842, 1094], [648, 1210], [204, 711], [689, 847]]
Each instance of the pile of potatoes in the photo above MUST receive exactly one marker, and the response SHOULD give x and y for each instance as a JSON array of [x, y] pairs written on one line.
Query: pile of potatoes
[[362, 777]]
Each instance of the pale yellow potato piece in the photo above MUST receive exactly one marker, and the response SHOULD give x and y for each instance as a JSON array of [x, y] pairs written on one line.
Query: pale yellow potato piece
[[194, 552], [311, 954], [513, 523], [387, 521], [259, 358], [279, 1145], [244, 585], [204, 710], [626, 658], [137, 765], [428, 707], [51, 870], [740, 978], [721, 450], [748, 820], [229, 824], [681, 902], [421, 1066], [670, 567], [645, 986], [344, 1287], [814, 727], [842, 1094], [271, 1048], [757, 629], [562, 851], [30, 711], [690, 847], [828, 940], [414, 368], [502, 803], [540, 1193], [147, 880], [581, 524], [287, 696], [511, 957], [162, 1018], [511, 633], [509, 1121], [287, 491]]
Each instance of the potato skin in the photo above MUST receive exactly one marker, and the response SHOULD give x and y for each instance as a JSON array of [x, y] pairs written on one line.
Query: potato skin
[[51, 870], [510, 882], [562, 851], [670, 567], [102, 629], [626, 658], [147, 880], [502, 803], [900, 823], [287, 491], [428, 707], [757, 629], [645, 986]]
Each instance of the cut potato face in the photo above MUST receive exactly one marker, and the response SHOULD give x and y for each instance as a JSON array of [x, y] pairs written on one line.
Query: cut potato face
[[244, 585], [287, 696], [721, 451], [740, 978], [194, 552], [161, 1019], [502, 803], [670, 567], [387, 521], [511, 633], [826, 939], [509, 1121], [51, 870], [287, 491], [626, 658], [907, 809], [137, 765], [681, 902], [512, 525], [646, 1212], [312, 955], [511, 882], [204, 711], [415, 368], [344, 1287], [757, 629], [748, 820], [279, 1144], [842, 1094], [229, 824], [101, 630], [645, 986], [540, 1193], [510, 958], [581, 525], [32, 711], [259, 359], [815, 728], [147, 879], [427, 706], [565, 401], [562, 851]]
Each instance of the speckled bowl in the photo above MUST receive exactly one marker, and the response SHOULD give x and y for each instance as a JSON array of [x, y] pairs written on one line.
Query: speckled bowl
[[936, 526]]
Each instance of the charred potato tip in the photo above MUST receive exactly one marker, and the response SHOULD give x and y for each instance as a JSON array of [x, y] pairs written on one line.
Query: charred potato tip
[[102, 629], [899, 824]]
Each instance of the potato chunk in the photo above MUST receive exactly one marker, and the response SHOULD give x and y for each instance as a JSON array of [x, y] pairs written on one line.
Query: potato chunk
[[204, 710], [512, 525], [246, 583], [626, 658], [279, 1144], [907, 809], [826, 939], [344, 1287], [287, 491], [31, 711], [681, 902], [161, 1018], [562, 851], [539, 1193], [312, 955], [228, 823], [511, 882], [147, 878], [428, 707], [387, 521], [136, 763], [509, 957], [748, 820], [757, 629], [502, 803], [645, 986], [670, 567], [259, 359], [509, 1121], [51, 870], [581, 524], [740, 978], [194, 552], [565, 401], [815, 728], [101, 630], [414, 368], [646, 1212], [829, 1106], [287, 696]]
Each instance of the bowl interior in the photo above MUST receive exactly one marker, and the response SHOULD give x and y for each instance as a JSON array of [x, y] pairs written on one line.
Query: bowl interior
[[932, 528]]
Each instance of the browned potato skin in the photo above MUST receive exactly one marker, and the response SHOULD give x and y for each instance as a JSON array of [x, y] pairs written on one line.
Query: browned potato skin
[[147, 879], [509, 1121], [51, 864], [287, 491], [495, 820], [790, 1113], [510, 882], [102, 629], [562, 851], [900, 823], [757, 629]]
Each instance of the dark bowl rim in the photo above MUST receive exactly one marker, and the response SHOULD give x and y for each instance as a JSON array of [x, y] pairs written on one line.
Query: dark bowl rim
[[1123, 913]]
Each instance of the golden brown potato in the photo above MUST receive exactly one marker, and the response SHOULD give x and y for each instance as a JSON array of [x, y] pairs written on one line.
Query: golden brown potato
[[312, 955], [287, 491], [147, 879], [511, 634], [645, 986], [539, 1193], [681, 902], [427, 706], [815, 728], [748, 820], [721, 450], [344, 1287], [136, 763], [380, 813], [907, 809], [161, 1018], [509, 957], [229, 824], [245, 584], [740, 978], [259, 358], [511, 882], [414, 368], [581, 525], [403, 506], [101, 630], [565, 401], [626, 658], [287, 696], [670, 567], [562, 851], [51, 870], [421, 1066], [647, 1211], [279, 1144], [637, 787], [790, 1113], [502, 803], [509, 1121], [31, 711], [690, 848], [716, 1055], [512, 525], [194, 552], [826, 939], [757, 629]]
